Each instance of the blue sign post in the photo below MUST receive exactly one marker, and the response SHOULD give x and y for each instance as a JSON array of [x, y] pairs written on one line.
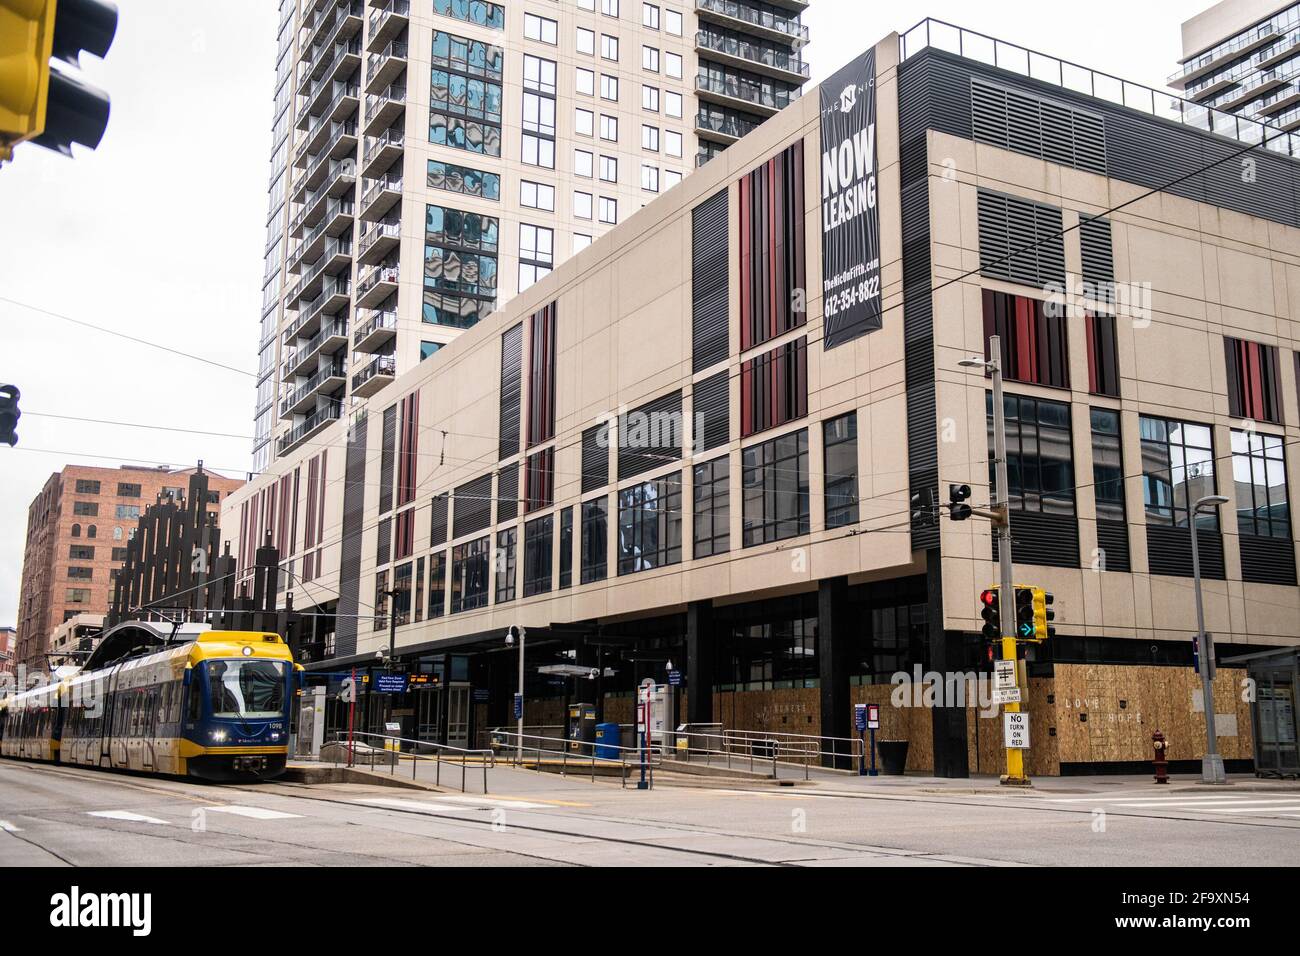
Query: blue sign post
[[519, 706], [860, 725]]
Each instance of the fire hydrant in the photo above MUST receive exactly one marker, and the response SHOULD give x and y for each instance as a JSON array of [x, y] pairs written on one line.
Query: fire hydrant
[[1161, 762]]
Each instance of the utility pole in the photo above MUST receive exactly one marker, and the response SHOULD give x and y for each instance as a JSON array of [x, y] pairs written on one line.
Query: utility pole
[[1212, 763], [1001, 521]]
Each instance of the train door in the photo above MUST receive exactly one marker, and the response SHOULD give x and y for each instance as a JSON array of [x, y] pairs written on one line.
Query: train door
[[458, 696], [108, 703]]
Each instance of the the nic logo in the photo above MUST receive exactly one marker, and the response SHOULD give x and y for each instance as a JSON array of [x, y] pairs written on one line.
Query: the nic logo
[[848, 98], [76, 909]]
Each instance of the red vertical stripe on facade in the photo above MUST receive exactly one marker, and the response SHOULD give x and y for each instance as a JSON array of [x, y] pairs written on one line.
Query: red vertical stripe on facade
[[746, 266]]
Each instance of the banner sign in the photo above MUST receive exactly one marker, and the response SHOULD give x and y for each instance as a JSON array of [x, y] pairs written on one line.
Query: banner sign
[[850, 216]]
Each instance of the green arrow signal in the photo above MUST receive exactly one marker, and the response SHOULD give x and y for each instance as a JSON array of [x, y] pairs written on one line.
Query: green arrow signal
[[1026, 630]]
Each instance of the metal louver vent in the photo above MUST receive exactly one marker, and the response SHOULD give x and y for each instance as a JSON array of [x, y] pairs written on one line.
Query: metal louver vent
[[1050, 130], [1020, 240]]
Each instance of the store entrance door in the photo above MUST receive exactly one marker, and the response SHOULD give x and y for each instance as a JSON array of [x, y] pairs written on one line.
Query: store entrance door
[[458, 699]]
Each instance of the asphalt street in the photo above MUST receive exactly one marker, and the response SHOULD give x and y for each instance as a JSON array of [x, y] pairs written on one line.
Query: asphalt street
[[58, 816]]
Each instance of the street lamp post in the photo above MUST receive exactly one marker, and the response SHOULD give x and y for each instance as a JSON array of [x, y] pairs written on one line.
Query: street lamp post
[[519, 720], [1212, 763]]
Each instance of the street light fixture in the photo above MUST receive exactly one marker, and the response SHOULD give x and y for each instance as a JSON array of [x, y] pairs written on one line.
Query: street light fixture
[[1212, 763]]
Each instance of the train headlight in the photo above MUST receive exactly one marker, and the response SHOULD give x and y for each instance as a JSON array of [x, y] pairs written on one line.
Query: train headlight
[[218, 736], [248, 651], [275, 735]]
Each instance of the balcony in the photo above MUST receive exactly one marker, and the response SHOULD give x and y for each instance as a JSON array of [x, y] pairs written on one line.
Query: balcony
[[388, 21], [384, 67], [310, 426], [376, 285], [383, 109], [332, 336], [1279, 100], [335, 258], [1288, 47], [379, 239], [374, 376], [338, 180], [376, 329], [334, 296], [336, 220], [1211, 60], [722, 129], [327, 378], [731, 92], [766, 23], [324, 137], [382, 151], [379, 196], [1253, 90], [345, 24], [753, 56]]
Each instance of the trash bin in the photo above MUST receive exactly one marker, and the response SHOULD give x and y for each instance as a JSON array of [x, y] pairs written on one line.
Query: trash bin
[[893, 756], [608, 736]]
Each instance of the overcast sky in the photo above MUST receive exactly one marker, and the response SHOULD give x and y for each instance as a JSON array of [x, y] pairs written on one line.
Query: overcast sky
[[159, 233]]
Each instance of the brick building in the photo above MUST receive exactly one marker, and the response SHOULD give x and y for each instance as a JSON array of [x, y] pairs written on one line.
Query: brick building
[[77, 530], [8, 643]]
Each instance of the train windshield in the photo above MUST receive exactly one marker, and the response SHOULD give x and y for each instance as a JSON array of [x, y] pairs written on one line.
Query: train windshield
[[246, 688]]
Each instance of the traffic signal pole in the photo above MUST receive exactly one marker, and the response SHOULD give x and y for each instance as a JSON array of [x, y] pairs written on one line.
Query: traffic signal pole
[[1015, 775]]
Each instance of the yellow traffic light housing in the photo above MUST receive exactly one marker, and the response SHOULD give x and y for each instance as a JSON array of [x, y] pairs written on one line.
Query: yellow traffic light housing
[[1043, 615], [26, 44]]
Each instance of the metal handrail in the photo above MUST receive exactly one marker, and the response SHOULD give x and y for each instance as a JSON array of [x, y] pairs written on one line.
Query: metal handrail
[[486, 757], [973, 45], [775, 748], [643, 757]]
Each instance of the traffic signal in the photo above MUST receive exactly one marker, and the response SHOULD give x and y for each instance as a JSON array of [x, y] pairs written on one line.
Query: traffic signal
[[1024, 613], [1043, 614], [47, 105], [991, 614], [26, 41], [9, 414], [958, 510], [924, 509]]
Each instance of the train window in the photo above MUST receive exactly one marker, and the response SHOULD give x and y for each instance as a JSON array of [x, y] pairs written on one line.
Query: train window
[[195, 702], [246, 688]]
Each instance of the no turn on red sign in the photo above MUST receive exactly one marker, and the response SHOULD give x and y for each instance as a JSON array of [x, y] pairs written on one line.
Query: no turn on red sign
[[1015, 731]]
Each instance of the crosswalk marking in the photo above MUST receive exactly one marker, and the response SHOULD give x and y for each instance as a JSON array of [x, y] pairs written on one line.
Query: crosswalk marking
[[8, 827], [126, 815], [443, 806], [255, 813], [1210, 802]]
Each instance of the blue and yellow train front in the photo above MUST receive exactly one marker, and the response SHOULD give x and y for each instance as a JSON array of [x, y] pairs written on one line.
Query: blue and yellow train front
[[240, 691]]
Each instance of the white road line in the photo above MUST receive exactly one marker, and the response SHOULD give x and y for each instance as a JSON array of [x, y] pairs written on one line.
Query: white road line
[[1207, 802], [1157, 795], [1255, 809], [8, 827], [126, 815], [431, 806], [490, 802], [256, 813]]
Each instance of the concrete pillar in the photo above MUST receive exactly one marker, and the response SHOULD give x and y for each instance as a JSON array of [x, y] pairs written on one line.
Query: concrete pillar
[[700, 650], [950, 755], [834, 654]]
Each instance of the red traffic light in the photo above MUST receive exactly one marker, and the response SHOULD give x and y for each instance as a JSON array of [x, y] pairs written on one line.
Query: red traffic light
[[989, 598]]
